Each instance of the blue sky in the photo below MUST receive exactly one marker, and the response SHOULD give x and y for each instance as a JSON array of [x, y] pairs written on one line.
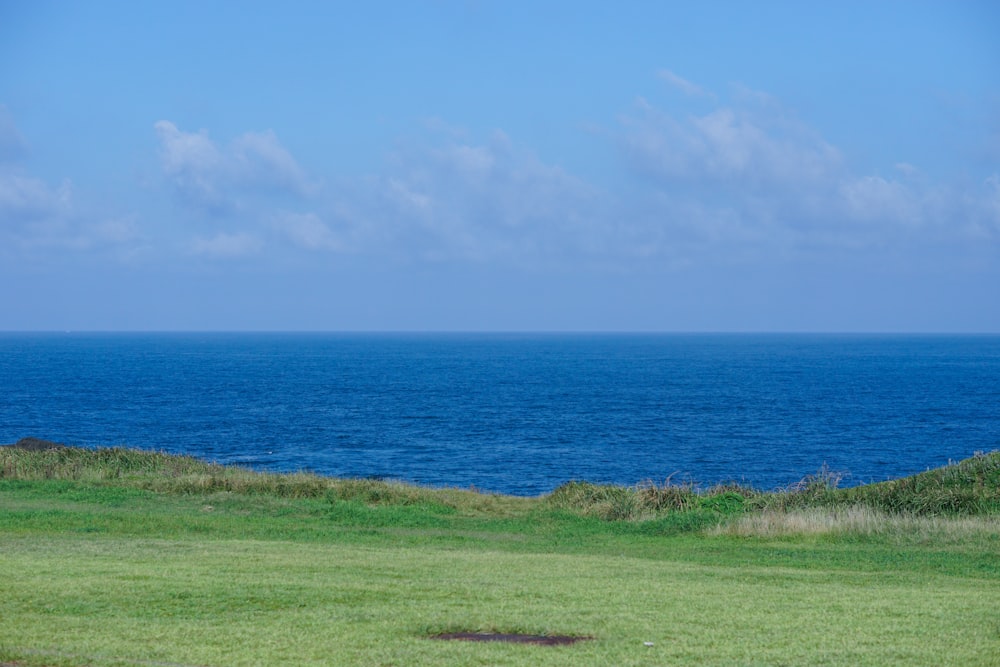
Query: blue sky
[[642, 166]]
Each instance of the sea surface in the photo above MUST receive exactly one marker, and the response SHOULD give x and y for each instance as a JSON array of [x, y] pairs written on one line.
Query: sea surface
[[516, 413]]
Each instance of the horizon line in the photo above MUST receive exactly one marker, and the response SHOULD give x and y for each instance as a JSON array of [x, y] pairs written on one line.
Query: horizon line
[[543, 332]]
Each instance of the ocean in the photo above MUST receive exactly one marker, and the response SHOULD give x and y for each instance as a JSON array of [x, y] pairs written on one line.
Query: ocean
[[516, 413]]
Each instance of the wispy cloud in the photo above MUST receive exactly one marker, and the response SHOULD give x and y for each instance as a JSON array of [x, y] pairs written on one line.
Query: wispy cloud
[[727, 145], [194, 165], [32, 211], [736, 180], [874, 199], [739, 182], [452, 198], [682, 84], [259, 160], [751, 170], [12, 144], [226, 245], [215, 179], [24, 199], [38, 217], [307, 230]]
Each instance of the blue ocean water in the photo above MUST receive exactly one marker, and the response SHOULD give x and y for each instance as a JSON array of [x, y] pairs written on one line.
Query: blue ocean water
[[515, 413]]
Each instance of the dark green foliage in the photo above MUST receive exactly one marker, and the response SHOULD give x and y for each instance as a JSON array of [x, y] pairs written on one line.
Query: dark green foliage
[[603, 500], [674, 523], [648, 500], [966, 488], [36, 444], [667, 497], [725, 502], [969, 487]]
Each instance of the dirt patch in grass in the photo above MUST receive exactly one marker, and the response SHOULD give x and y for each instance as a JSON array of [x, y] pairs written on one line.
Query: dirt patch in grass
[[542, 640]]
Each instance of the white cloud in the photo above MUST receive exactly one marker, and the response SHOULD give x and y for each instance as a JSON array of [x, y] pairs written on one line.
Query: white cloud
[[255, 176], [37, 220], [24, 199], [992, 184], [987, 223], [459, 199], [738, 183], [750, 177], [194, 164], [726, 145], [227, 245], [406, 199], [872, 198], [116, 230], [307, 230], [218, 179], [37, 217], [261, 160], [683, 85], [474, 161], [12, 145]]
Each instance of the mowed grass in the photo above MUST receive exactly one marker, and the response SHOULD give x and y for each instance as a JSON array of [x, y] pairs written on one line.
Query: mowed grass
[[122, 563]]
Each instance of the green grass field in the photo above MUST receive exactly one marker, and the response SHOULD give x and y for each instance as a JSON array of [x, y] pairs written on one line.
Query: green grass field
[[118, 557]]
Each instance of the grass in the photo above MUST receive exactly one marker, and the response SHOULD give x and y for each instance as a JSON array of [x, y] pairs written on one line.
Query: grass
[[121, 557], [859, 521]]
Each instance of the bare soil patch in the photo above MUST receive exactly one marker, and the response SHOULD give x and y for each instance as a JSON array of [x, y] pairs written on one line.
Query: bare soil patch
[[542, 640]]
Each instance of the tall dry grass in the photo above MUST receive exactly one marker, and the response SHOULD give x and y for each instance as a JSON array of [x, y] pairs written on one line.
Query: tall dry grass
[[859, 520]]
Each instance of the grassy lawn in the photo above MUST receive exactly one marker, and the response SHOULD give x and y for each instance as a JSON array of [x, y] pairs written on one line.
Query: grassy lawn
[[115, 564]]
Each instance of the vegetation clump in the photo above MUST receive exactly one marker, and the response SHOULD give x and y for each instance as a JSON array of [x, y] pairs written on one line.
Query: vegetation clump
[[648, 500], [967, 488]]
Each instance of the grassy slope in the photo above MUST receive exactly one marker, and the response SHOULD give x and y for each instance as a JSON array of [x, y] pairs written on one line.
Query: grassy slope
[[119, 557]]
